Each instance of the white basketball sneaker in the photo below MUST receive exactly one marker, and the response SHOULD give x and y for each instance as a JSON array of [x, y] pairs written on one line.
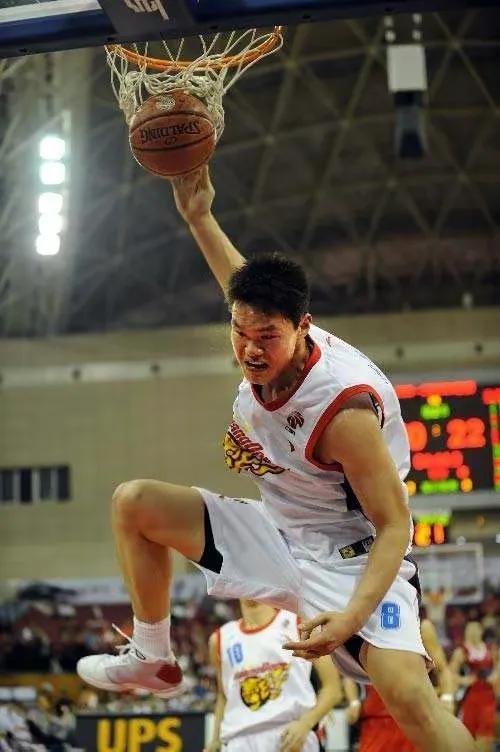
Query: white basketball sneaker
[[132, 669]]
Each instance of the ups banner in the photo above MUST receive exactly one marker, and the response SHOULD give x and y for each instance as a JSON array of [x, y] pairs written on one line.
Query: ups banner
[[178, 732]]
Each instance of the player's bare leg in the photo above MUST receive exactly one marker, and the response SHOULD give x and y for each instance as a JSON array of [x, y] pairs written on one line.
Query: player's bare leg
[[149, 518], [401, 679]]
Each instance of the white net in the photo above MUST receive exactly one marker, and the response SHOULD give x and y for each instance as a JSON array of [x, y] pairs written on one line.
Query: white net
[[456, 570], [216, 64]]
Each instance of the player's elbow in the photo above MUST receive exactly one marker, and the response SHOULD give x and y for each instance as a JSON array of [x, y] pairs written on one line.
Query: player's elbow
[[395, 519]]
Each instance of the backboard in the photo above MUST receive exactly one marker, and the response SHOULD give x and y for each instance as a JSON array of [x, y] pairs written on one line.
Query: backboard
[[28, 26]]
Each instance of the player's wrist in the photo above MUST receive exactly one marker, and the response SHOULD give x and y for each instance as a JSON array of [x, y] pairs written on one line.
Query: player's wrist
[[199, 220], [307, 721], [357, 614]]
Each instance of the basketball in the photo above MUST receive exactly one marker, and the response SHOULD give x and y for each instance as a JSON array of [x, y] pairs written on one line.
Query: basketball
[[172, 134]]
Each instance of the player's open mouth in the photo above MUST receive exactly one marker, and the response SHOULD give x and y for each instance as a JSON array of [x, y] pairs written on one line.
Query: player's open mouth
[[255, 366]]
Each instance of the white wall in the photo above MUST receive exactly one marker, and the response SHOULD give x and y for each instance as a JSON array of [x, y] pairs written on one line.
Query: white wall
[[118, 420]]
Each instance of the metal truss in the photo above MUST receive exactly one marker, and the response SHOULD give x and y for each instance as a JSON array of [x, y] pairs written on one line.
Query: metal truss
[[306, 166]]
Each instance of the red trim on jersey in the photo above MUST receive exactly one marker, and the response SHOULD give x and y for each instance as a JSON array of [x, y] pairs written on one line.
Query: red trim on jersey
[[327, 416], [253, 630], [313, 358]]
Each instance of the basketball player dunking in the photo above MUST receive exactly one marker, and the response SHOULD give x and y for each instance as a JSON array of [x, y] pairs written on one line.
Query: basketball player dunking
[[265, 699], [318, 427]]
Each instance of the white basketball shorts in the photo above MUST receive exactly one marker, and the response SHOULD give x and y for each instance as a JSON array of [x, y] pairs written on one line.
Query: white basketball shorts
[[267, 741], [258, 564]]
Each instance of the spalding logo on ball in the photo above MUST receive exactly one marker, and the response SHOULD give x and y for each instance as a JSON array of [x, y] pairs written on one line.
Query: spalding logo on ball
[[172, 135]]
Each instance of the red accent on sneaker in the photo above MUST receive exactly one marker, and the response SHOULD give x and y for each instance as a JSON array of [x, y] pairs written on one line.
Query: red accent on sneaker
[[170, 673]]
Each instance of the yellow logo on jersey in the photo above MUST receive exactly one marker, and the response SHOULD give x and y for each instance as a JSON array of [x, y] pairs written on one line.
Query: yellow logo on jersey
[[257, 689], [241, 453]]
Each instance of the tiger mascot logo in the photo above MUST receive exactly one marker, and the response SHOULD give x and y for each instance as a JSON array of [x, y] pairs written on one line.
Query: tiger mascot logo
[[243, 454], [259, 688]]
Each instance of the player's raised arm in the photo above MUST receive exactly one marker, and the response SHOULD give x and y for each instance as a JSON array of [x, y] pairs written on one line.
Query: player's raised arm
[[194, 194]]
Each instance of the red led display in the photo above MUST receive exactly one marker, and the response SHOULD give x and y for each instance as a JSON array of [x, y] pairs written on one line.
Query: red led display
[[427, 533], [454, 434]]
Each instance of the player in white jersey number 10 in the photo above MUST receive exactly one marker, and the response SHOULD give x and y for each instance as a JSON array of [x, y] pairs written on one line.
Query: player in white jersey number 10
[[318, 427], [265, 699]]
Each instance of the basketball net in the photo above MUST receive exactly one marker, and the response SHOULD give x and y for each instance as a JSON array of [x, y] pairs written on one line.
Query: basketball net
[[220, 61]]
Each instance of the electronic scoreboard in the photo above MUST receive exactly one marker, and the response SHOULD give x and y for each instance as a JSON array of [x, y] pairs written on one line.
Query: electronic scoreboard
[[454, 434]]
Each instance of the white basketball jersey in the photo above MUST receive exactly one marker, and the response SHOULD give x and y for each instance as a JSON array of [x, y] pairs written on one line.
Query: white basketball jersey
[[263, 684], [274, 442]]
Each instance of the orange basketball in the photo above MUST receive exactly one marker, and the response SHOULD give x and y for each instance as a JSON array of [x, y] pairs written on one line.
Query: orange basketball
[[172, 134]]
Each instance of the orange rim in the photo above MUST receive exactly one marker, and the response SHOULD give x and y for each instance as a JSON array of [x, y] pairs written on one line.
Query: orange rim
[[230, 61]]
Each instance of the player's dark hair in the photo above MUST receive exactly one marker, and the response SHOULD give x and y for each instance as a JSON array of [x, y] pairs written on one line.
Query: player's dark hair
[[272, 283]]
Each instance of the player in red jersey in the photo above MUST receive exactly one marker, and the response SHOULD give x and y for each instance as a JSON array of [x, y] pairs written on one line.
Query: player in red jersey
[[378, 730], [477, 709]]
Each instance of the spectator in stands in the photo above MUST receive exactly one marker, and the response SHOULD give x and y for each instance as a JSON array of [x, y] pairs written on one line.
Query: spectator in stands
[[474, 667], [14, 730]]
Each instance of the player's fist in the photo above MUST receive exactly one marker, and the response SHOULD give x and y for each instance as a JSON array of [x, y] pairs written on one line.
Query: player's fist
[[193, 194]]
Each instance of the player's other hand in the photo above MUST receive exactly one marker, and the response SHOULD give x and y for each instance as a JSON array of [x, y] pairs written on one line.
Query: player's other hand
[[293, 736], [336, 628], [193, 194]]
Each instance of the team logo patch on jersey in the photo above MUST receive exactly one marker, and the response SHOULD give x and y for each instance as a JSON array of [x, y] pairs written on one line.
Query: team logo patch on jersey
[[241, 453], [262, 684], [295, 420]]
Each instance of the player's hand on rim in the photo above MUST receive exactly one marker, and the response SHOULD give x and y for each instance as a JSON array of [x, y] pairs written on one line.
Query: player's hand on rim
[[193, 194], [336, 628]]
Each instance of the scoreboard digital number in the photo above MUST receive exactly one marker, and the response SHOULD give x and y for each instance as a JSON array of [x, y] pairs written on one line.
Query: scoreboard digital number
[[454, 433]]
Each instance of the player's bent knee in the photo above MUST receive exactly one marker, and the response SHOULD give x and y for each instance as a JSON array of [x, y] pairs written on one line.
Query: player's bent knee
[[128, 497]]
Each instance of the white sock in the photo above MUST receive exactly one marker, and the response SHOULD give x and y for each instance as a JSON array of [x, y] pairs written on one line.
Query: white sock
[[154, 639]]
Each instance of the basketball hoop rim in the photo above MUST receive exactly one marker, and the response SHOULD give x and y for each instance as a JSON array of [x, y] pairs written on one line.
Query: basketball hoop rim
[[229, 61]]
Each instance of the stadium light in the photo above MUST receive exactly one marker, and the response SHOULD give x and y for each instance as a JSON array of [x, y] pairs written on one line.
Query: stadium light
[[50, 224], [52, 148], [52, 173], [52, 170], [50, 203], [48, 245]]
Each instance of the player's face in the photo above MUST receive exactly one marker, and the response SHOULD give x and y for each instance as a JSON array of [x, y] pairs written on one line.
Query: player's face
[[264, 343]]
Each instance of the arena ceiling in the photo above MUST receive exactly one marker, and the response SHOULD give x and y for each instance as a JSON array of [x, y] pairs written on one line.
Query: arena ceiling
[[306, 166]]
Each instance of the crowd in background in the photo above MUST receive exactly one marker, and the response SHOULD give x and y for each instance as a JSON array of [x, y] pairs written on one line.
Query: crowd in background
[[48, 638]]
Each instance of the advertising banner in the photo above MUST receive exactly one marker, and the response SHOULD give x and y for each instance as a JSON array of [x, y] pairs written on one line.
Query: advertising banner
[[176, 732]]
